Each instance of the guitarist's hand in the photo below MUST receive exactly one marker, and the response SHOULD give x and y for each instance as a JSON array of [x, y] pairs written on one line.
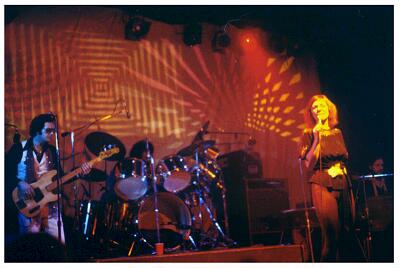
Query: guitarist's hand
[[86, 168], [25, 191]]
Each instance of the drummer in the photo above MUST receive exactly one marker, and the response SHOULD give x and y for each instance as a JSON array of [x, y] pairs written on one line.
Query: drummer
[[139, 150]]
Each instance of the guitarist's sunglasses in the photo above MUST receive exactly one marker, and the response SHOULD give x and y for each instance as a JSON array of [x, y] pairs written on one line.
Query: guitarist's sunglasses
[[50, 130]]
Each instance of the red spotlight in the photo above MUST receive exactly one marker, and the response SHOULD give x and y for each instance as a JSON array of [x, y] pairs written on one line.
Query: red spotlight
[[249, 40]]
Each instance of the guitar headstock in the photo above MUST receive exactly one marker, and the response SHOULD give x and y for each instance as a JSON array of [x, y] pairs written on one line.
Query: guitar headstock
[[108, 153]]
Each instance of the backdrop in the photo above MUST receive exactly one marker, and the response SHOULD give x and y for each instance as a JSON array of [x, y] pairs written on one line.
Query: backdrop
[[75, 62]]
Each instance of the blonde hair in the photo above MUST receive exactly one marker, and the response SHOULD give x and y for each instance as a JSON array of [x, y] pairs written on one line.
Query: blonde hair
[[308, 117]]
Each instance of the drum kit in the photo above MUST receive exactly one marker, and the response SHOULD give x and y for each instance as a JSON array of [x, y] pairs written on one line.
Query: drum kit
[[172, 202]]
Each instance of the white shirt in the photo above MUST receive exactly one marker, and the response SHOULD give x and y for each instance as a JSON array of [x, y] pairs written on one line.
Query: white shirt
[[40, 167]]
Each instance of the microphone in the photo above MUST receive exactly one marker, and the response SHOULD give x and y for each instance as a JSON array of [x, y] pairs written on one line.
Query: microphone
[[128, 115]]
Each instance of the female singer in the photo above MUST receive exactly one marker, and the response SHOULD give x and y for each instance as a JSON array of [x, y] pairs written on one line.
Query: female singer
[[324, 156]]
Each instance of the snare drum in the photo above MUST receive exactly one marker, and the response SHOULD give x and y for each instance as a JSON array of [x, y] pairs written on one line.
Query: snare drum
[[131, 182], [174, 173]]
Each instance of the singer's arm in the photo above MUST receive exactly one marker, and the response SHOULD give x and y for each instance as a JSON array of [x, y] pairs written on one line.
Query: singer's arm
[[309, 150], [312, 155]]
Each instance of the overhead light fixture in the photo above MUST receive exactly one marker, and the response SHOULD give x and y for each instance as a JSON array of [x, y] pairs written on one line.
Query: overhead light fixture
[[220, 41], [136, 28], [192, 34]]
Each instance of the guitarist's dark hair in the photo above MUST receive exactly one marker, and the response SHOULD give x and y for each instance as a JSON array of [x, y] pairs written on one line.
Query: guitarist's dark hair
[[38, 122]]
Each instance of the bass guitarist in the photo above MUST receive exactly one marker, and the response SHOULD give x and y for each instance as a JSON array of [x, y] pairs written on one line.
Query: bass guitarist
[[27, 162]]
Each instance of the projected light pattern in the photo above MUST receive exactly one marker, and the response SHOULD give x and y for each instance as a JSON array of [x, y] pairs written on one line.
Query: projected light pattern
[[169, 89], [276, 105]]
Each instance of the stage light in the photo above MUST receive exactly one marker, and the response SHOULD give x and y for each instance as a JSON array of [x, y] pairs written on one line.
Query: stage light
[[249, 39], [220, 41], [192, 34], [136, 28]]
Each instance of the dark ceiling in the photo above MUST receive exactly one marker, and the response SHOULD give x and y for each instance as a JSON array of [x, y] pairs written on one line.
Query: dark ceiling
[[316, 22]]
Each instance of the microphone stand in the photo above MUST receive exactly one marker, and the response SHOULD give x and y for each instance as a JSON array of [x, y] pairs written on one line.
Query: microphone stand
[[150, 159], [79, 130], [72, 133], [75, 187], [369, 234], [58, 180], [307, 216]]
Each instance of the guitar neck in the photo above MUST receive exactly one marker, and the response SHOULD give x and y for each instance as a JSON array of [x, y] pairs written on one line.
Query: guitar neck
[[70, 175]]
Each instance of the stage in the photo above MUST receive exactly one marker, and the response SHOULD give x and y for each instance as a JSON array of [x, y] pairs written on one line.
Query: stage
[[198, 127], [291, 253]]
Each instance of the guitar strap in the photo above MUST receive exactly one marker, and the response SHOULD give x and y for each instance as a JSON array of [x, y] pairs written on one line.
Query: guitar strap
[[30, 166]]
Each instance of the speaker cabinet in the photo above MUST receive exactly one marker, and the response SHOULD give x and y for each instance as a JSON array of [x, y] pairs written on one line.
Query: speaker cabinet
[[254, 205]]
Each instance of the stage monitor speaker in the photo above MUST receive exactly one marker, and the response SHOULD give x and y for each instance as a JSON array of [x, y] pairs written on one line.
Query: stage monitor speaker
[[254, 205]]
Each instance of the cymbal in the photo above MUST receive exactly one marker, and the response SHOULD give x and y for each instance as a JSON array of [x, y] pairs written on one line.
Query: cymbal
[[97, 141], [95, 175], [199, 136], [191, 149]]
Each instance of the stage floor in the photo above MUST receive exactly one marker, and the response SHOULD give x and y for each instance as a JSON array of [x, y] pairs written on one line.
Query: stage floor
[[290, 253]]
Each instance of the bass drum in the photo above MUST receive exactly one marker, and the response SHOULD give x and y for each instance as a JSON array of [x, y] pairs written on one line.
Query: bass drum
[[174, 220]]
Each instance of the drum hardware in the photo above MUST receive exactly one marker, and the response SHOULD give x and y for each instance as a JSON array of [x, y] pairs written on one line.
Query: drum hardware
[[88, 219], [199, 191], [148, 218], [198, 145], [203, 131], [174, 173], [95, 142], [89, 214], [139, 236], [153, 177], [131, 179], [90, 142]]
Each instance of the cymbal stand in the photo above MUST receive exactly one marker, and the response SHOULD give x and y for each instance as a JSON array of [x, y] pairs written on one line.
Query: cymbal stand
[[154, 180], [59, 185], [138, 238], [75, 185], [221, 185], [306, 214], [199, 191]]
